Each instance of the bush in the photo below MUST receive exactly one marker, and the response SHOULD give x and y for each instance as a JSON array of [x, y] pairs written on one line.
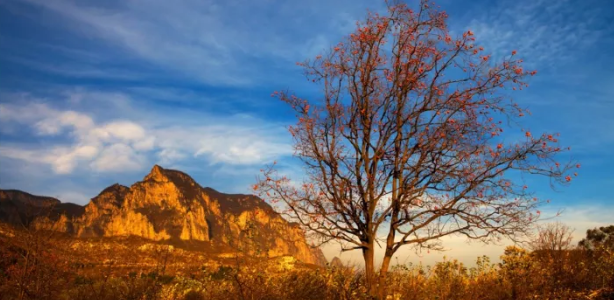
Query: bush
[[521, 274], [194, 295]]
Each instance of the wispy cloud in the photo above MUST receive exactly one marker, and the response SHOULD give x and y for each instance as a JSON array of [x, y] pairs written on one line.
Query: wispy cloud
[[216, 42], [111, 146], [123, 145], [224, 143], [544, 32]]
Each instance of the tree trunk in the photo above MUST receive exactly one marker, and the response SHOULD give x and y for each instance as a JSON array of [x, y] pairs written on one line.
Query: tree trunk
[[383, 272], [368, 254]]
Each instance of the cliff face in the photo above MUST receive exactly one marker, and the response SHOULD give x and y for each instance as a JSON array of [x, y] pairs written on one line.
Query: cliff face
[[169, 205]]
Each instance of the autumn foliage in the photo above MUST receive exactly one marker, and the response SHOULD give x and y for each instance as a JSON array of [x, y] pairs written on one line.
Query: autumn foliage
[[415, 137], [406, 142], [51, 273]]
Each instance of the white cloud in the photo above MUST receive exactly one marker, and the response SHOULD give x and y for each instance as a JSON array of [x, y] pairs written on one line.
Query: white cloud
[[146, 143], [86, 151], [62, 163], [169, 156], [62, 159], [123, 130], [57, 121], [112, 146], [231, 144], [21, 154], [31, 112], [118, 157], [129, 145]]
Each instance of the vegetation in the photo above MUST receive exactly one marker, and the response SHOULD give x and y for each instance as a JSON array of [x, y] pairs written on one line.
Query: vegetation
[[39, 269], [599, 237], [404, 145]]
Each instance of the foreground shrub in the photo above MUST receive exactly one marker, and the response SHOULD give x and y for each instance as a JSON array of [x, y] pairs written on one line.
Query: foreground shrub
[[521, 274]]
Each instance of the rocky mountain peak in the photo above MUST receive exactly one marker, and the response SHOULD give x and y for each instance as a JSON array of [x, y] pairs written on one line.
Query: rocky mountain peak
[[156, 174], [170, 206], [179, 179]]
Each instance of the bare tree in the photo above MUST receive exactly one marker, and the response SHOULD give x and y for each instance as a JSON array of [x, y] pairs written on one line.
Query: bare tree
[[405, 146], [552, 237]]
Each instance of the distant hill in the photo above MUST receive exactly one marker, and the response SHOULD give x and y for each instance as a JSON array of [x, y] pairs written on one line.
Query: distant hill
[[168, 206]]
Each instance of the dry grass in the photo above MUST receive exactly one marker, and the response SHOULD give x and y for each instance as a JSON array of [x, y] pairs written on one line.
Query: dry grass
[[572, 274]]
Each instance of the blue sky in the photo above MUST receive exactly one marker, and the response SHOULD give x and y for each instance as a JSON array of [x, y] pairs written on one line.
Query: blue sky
[[96, 92]]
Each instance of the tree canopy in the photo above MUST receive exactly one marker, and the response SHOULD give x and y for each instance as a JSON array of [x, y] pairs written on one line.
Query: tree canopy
[[406, 143], [598, 237]]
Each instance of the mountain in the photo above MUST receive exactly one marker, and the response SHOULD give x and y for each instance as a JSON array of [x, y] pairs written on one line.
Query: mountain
[[168, 206], [21, 208]]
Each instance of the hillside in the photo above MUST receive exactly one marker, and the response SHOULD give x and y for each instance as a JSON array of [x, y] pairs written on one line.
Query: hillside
[[167, 207]]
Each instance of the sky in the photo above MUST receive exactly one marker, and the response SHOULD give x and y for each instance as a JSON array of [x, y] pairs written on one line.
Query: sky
[[97, 92]]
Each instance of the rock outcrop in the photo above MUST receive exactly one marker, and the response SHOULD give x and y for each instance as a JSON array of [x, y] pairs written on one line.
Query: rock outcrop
[[168, 205]]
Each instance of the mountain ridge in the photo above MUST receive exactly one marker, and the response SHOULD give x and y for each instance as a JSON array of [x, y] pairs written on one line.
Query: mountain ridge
[[167, 205]]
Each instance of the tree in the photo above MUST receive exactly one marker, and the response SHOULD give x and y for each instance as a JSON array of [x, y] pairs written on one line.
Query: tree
[[406, 143], [552, 237], [598, 237], [599, 243], [552, 249]]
